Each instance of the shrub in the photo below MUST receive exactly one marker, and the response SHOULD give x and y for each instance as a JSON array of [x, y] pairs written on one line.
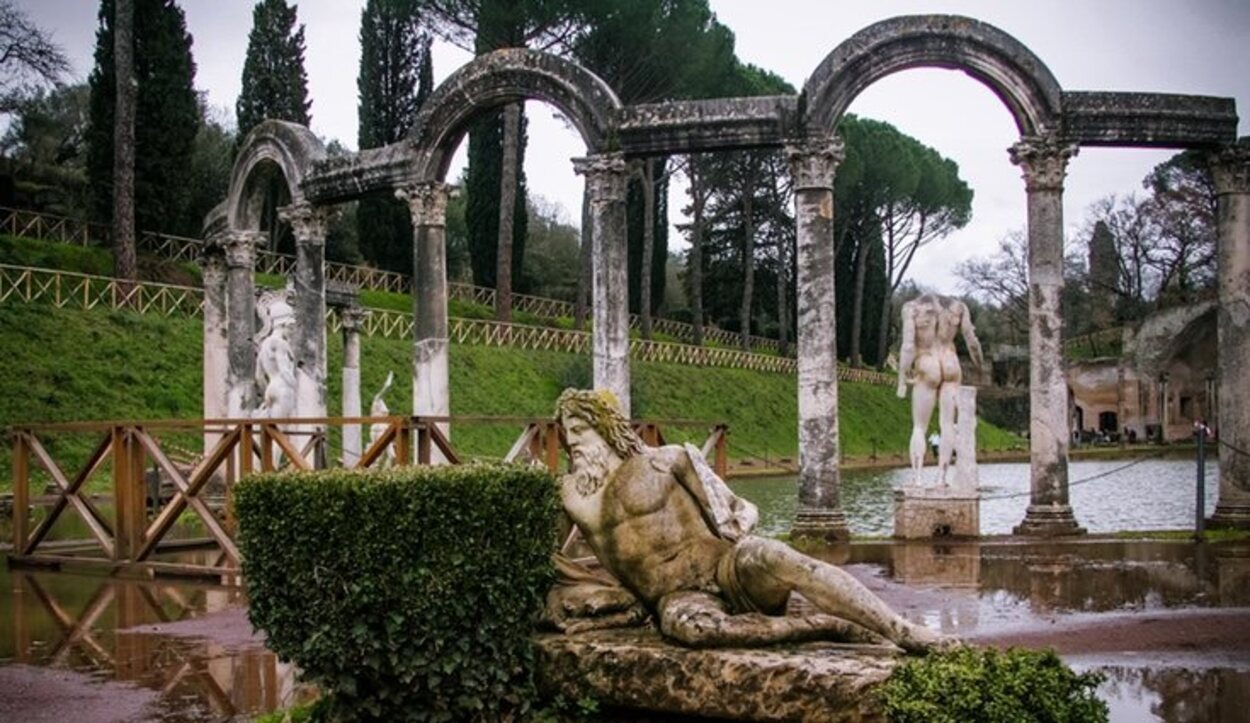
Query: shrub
[[406, 594], [982, 684]]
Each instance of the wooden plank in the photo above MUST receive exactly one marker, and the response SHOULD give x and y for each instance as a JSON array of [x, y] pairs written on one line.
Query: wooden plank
[[377, 449], [440, 440], [88, 513], [553, 447], [21, 491], [187, 496], [93, 463], [522, 443], [284, 443]]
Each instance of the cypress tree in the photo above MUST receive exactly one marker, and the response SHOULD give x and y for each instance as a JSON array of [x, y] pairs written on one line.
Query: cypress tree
[[167, 118], [396, 76], [275, 84]]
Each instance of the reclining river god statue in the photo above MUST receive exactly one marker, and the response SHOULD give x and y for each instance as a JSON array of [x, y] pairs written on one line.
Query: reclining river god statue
[[673, 534]]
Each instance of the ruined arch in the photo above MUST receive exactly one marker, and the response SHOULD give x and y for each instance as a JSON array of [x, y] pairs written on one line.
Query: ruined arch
[[1018, 77], [273, 147], [500, 77]]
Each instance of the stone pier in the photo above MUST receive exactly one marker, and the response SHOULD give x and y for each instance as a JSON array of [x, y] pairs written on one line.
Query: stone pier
[[431, 384], [352, 319], [308, 224], [1044, 161], [1231, 169], [240, 248], [606, 186], [216, 325], [813, 163]]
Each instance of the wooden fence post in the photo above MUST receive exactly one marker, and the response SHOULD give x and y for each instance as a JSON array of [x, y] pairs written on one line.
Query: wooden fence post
[[21, 491], [722, 460]]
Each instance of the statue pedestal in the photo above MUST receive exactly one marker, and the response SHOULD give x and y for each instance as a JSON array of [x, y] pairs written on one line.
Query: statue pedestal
[[928, 512], [637, 669]]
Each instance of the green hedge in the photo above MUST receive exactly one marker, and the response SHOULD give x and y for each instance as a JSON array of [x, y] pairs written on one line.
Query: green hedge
[[406, 594], [984, 685]]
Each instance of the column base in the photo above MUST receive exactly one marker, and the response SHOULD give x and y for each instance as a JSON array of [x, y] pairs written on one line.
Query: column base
[[821, 524], [1048, 521], [1231, 515]]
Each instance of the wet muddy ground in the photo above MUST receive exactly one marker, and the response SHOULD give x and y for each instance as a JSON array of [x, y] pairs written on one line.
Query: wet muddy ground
[[1168, 623]]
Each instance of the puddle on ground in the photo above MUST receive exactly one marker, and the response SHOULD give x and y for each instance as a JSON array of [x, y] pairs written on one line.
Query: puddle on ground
[[190, 646], [144, 634]]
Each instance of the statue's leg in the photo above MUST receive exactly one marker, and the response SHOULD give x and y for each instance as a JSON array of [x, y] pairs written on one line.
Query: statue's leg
[[701, 620], [947, 403], [923, 395], [764, 566]]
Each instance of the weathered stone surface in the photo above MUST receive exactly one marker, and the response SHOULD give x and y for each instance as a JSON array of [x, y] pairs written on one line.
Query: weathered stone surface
[[638, 669], [1148, 119], [1043, 160], [925, 512], [1011, 70], [1231, 169], [705, 125]]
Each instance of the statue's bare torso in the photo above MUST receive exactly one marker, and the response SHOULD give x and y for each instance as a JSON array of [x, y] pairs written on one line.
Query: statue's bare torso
[[650, 527]]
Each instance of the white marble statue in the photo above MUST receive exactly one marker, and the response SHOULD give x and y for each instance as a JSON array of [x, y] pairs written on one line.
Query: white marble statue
[[929, 363], [275, 360], [378, 408]]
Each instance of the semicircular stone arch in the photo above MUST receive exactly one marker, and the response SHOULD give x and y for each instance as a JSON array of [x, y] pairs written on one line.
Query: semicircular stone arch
[[501, 77], [272, 146], [1017, 76]]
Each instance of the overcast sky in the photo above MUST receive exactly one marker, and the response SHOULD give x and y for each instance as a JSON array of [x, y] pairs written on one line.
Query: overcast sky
[[1199, 47]]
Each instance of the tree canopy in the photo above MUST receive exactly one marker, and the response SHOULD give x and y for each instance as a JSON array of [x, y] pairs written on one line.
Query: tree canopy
[[275, 84]]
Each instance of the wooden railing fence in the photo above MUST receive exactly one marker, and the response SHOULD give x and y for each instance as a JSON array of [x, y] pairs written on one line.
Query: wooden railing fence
[[60, 229], [137, 530]]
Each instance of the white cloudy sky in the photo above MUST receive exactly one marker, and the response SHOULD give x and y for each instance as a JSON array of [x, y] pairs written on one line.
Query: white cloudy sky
[[1200, 47]]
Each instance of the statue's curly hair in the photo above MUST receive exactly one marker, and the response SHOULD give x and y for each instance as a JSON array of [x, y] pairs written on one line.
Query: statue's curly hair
[[603, 411]]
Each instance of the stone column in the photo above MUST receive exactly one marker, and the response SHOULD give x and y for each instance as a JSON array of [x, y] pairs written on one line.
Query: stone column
[[353, 321], [813, 163], [216, 344], [1231, 169], [431, 384], [240, 247], [1044, 161], [606, 186], [308, 224]]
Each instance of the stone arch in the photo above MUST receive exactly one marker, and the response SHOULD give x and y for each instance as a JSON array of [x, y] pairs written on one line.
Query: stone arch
[[272, 147], [1018, 77], [500, 77]]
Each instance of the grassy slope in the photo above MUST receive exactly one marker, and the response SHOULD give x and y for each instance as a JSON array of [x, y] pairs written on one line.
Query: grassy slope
[[62, 365]]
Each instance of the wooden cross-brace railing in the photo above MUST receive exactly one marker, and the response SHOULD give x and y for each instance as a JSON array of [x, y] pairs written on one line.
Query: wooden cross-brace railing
[[132, 537]]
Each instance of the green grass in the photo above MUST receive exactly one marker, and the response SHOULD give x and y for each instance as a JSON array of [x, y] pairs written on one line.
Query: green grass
[[73, 365]]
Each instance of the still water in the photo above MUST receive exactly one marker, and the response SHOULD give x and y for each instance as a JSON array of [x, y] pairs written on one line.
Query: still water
[[1149, 494]]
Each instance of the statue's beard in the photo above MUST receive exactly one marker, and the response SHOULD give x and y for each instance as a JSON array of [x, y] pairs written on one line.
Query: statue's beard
[[589, 472]]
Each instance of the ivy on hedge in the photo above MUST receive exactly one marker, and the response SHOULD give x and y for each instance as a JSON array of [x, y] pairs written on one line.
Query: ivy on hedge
[[984, 685], [404, 594]]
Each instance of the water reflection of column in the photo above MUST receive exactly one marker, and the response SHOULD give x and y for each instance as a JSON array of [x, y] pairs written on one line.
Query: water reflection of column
[[813, 163]]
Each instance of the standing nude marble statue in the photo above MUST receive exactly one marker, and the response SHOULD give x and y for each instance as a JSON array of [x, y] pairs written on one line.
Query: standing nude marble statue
[[275, 360], [929, 363], [674, 535]]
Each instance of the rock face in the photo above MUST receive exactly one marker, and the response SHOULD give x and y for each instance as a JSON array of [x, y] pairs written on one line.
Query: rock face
[[636, 668]]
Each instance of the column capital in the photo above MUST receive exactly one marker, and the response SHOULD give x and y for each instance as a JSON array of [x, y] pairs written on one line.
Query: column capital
[[212, 256], [240, 248], [308, 222], [1230, 168], [1043, 158], [353, 318], [606, 175], [427, 202], [814, 161]]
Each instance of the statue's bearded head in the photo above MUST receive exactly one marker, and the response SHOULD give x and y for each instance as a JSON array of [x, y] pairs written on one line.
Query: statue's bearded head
[[596, 431]]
